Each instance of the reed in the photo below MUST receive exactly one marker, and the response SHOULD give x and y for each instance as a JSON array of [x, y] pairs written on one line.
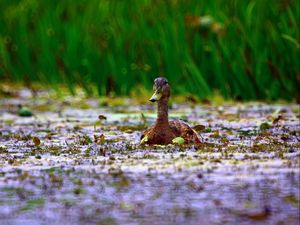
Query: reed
[[243, 49]]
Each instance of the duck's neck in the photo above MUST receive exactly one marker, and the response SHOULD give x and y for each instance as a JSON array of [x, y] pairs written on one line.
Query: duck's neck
[[162, 113]]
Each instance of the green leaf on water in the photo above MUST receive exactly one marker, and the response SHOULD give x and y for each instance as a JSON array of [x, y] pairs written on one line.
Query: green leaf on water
[[178, 140], [265, 126], [25, 112], [144, 140]]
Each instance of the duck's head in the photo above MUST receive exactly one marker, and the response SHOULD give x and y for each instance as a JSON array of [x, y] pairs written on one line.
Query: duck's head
[[161, 89]]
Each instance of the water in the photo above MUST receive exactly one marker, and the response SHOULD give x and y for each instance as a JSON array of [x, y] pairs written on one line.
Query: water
[[244, 173]]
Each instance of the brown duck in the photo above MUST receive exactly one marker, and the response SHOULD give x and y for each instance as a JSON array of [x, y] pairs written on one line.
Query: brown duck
[[164, 131]]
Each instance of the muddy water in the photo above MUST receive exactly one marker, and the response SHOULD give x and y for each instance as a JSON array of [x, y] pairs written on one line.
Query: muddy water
[[65, 166]]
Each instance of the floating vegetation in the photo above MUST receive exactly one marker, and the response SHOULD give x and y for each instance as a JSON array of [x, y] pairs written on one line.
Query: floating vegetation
[[58, 161], [178, 140], [213, 50], [24, 111]]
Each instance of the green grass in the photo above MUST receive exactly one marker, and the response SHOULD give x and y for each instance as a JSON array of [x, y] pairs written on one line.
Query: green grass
[[242, 49]]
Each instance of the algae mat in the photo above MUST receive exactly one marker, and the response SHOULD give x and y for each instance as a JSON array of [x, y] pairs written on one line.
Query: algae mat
[[78, 161]]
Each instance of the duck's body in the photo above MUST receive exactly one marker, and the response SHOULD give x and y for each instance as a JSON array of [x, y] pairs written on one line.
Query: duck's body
[[163, 131], [164, 135]]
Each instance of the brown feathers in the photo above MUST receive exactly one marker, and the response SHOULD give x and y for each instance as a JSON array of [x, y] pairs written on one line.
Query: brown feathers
[[163, 132]]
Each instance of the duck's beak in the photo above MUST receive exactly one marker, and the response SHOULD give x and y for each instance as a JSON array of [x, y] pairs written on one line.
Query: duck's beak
[[155, 97]]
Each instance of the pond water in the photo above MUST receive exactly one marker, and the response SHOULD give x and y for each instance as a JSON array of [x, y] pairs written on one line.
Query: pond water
[[64, 165]]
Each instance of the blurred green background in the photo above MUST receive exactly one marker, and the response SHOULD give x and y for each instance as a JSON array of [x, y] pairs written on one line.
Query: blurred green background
[[239, 49]]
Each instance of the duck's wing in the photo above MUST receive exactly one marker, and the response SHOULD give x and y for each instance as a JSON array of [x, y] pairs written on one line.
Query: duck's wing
[[146, 132], [183, 129]]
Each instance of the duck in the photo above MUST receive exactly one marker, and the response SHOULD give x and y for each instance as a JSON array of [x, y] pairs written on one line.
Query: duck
[[163, 132]]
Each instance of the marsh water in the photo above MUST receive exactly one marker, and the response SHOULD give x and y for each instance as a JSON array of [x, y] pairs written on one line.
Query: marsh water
[[77, 160]]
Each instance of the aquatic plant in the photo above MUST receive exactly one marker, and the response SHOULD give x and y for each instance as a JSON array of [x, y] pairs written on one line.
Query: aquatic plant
[[239, 49]]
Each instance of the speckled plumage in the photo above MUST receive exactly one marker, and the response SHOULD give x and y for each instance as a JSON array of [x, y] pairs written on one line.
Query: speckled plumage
[[163, 135], [164, 131]]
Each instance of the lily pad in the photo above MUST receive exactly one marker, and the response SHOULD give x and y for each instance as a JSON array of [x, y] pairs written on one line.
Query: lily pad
[[25, 112], [178, 140]]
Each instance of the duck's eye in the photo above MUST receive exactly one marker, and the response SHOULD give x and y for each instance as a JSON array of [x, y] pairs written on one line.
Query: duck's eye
[[157, 89]]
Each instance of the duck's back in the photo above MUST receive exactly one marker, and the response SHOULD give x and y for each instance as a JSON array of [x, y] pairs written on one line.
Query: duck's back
[[182, 129], [164, 135]]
